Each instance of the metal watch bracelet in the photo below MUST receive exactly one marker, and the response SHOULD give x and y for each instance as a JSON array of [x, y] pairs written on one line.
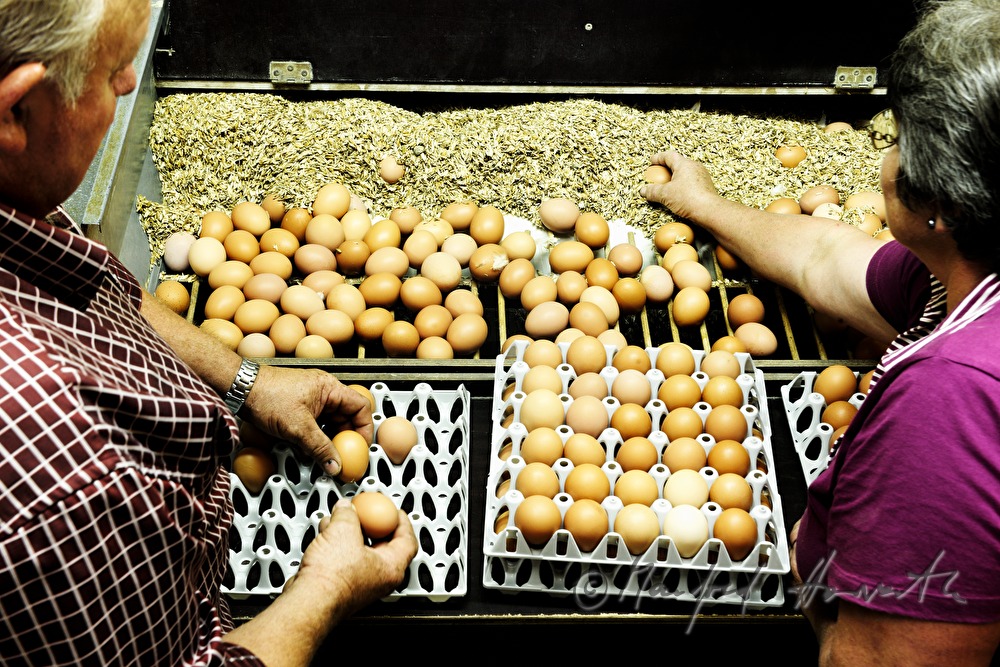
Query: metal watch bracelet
[[245, 377]]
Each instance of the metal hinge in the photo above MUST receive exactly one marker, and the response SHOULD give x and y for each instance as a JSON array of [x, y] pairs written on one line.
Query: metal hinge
[[855, 78], [291, 72]]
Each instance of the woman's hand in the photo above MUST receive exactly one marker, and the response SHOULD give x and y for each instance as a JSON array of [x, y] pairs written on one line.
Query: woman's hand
[[307, 407]]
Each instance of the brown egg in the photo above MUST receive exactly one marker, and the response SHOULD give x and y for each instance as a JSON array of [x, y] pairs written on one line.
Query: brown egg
[[536, 291], [432, 320], [519, 245], [727, 422], [631, 420], [295, 220], [389, 260], [369, 325], [721, 362], [839, 413], [252, 217], [382, 234], [670, 233], [313, 346], [467, 333], [286, 332], [516, 274], [487, 225], [587, 414], [582, 448], [727, 261], [627, 258], [587, 481], [440, 229], [333, 326], [434, 347], [546, 319], [224, 330], [223, 302], [731, 490], [790, 156], [656, 173], [570, 255], [537, 479], [538, 518], [255, 315], [418, 292], [738, 532], [542, 352], [381, 289], [377, 514], [280, 240], [601, 271], [312, 258], [461, 246], [673, 358], [632, 357], [682, 422], [867, 199], [588, 317], [744, 308], [690, 306], [418, 246], [690, 273], [570, 286], [637, 486], [443, 270], [347, 298], [254, 466], [542, 407], [835, 383], [630, 295], [729, 344], [352, 256], [785, 205], [865, 381], [679, 391], [274, 262], [397, 436], [275, 208], [241, 245], [759, 340], [587, 354], [589, 384], [301, 301], [542, 445], [592, 229], [206, 253], [684, 453], [637, 453], [631, 386], [587, 521], [400, 339], [174, 296], [264, 286], [459, 214], [816, 195], [558, 214], [354, 455], [389, 170], [406, 218], [658, 284], [638, 526], [215, 224], [256, 345], [722, 390], [605, 300], [333, 199], [676, 253], [729, 456]]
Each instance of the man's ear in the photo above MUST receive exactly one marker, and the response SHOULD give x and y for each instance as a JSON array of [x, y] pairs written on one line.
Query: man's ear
[[13, 87]]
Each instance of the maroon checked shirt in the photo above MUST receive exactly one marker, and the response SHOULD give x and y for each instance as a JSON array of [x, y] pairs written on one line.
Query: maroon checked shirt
[[114, 505]]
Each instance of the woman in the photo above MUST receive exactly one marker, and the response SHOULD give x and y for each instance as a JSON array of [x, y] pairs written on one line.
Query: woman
[[898, 551]]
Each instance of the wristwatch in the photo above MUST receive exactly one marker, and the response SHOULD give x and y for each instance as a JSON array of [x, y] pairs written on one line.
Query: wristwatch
[[245, 377]]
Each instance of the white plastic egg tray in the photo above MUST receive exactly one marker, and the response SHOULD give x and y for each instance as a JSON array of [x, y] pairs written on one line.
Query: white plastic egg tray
[[810, 434], [609, 571], [272, 529]]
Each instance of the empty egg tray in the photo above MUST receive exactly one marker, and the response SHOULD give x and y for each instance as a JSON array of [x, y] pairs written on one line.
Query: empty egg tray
[[810, 434], [609, 571], [272, 529]]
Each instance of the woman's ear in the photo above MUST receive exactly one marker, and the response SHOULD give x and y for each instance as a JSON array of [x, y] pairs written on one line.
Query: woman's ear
[[13, 87]]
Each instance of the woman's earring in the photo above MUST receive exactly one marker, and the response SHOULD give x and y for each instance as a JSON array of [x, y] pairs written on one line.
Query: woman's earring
[[932, 223]]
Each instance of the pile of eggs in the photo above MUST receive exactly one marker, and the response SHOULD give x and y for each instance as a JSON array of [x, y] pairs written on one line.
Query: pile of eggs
[[598, 440], [282, 280]]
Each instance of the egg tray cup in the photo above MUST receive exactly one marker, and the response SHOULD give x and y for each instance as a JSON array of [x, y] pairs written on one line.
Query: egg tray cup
[[559, 567], [810, 434], [272, 529]]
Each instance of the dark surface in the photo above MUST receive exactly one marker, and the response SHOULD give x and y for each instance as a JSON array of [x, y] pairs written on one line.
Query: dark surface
[[562, 42]]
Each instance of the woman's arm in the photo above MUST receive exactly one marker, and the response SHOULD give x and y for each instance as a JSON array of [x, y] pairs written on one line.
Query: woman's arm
[[822, 260]]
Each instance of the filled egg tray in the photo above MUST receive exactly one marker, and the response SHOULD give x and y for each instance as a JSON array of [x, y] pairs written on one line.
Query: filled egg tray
[[810, 434], [272, 529], [561, 568]]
